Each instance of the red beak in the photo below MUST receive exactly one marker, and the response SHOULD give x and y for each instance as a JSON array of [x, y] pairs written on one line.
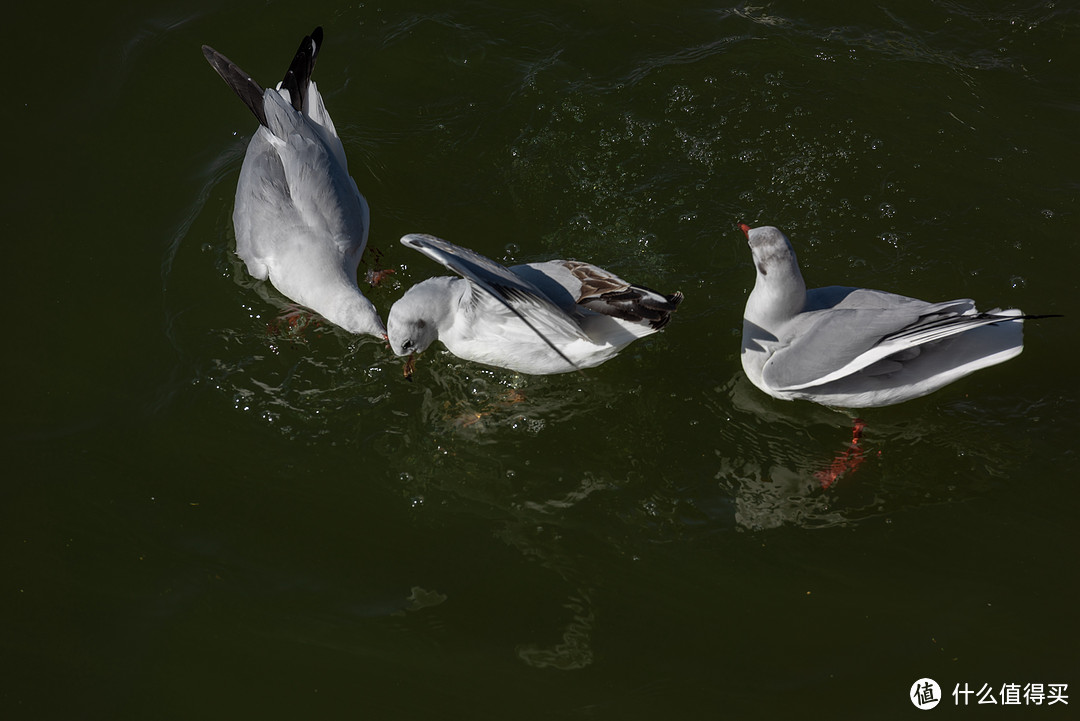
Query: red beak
[[745, 229]]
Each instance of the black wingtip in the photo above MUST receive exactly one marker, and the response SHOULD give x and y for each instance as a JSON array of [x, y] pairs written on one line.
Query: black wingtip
[[1002, 318], [303, 64], [242, 84]]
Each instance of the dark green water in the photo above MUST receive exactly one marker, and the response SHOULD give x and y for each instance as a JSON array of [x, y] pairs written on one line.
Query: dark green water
[[205, 517]]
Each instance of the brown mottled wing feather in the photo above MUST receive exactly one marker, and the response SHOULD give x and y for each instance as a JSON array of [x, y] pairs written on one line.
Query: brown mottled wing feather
[[606, 293]]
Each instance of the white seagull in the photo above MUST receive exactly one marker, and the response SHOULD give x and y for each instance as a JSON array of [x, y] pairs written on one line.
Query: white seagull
[[537, 318], [859, 348], [299, 218]]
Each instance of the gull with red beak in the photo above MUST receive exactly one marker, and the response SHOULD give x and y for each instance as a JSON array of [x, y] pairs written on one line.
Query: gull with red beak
[[858, 348]]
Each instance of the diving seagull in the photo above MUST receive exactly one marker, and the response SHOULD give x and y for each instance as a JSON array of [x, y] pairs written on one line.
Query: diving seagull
[[300, 220], [537, 318], [859, 348]]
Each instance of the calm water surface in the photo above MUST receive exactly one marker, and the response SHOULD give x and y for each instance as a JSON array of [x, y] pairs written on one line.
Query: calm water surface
[[212, 514]]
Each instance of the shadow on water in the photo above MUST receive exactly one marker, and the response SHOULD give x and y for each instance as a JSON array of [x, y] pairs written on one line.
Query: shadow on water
[[798, 464]]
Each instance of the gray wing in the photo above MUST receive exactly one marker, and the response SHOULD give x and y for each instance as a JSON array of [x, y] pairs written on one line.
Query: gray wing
[[511, 291], [861, 328]]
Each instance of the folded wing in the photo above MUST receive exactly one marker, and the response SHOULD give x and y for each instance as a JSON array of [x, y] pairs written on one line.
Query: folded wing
[[864, 329]]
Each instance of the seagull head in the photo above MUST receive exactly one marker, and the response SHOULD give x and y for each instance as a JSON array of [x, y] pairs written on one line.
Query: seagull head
[[771, 248], [407, 329], [779, 292]]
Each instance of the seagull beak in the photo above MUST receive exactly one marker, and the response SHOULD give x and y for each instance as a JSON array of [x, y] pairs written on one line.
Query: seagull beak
[[410, 366], [745, 229]]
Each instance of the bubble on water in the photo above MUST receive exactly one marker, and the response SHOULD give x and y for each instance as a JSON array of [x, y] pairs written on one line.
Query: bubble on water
[[892, 239], [1017, 282], [1047, 213]]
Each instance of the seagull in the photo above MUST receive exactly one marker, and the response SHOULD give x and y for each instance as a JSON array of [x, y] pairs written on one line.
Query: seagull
[[300, 220], [537, 318], [859, 348]]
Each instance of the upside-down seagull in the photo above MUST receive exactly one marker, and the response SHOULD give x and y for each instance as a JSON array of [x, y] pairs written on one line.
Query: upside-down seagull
[[300, 220], [536, 318]]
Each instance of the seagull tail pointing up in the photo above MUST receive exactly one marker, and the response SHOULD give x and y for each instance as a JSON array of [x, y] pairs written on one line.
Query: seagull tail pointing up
[[296, 81]]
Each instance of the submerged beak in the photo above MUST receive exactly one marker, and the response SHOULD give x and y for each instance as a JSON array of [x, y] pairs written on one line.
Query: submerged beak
[[410, 366], [745, 229]]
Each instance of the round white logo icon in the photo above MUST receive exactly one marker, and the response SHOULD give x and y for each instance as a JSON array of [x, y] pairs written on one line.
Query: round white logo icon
[[925, 694]]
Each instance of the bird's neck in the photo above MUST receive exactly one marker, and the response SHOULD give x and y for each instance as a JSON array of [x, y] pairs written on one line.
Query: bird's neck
[[777, 297], [352, 311]]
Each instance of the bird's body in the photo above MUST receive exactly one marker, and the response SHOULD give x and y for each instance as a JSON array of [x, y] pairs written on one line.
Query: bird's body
[[858, 348], [300, 220], [535, 318]]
